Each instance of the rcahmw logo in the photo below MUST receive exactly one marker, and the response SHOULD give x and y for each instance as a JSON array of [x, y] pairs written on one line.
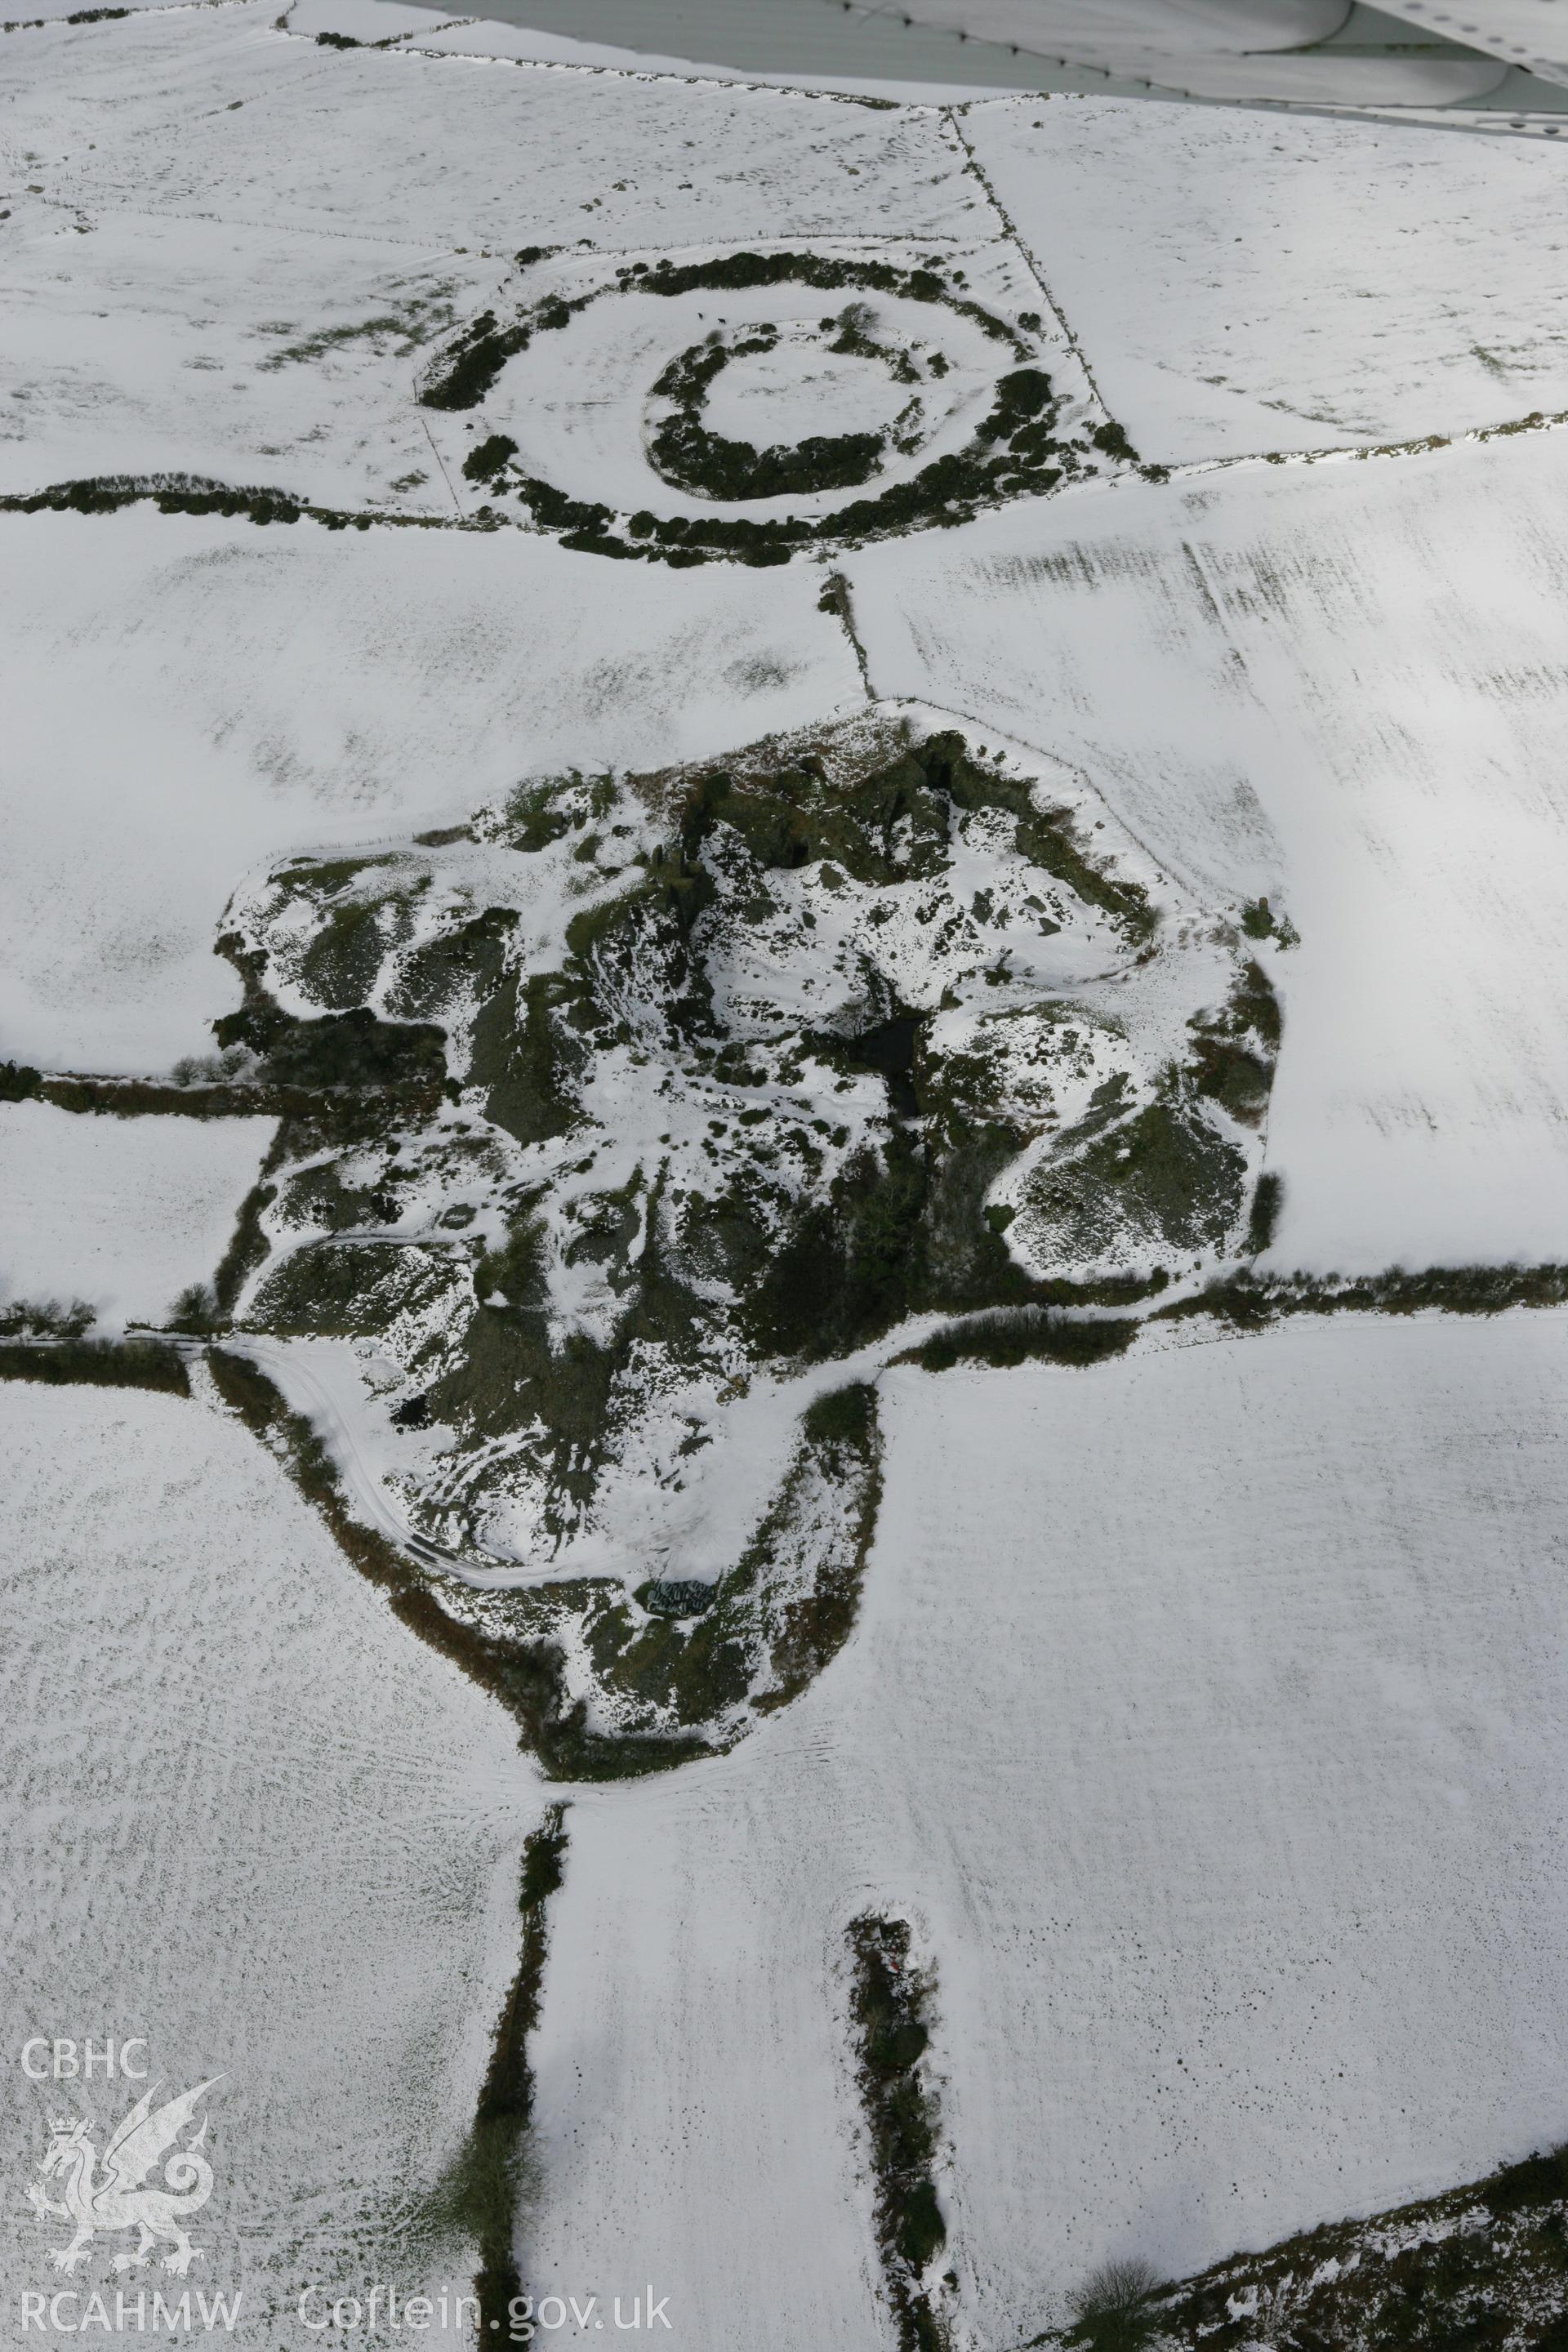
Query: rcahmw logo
[[151, 2178]]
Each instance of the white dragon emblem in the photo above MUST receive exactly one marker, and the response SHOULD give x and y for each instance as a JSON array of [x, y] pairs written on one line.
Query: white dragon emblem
[[117, 2199]]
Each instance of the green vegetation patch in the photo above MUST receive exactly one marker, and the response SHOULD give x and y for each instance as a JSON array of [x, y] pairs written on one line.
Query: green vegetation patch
[[687, 452], [524, 1672], [319, 1196], [526, 1052], [349, 1051], [1250, 1300], [97, 1363], [187, 1097], [771, 1624], [889, 2006], [841, 1443], [1482, 2268], [506, 1376], [1048, 838], [421, 317], [1030, 1336], [340, 965], [1234, 1050], [1260, 922], [852, 1265], [347, 1289], [895, 824], [1164, 1179], [1263, 1217], [172, 494]]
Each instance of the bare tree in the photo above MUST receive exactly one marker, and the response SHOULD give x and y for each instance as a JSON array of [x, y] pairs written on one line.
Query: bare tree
[[1110, 2310]]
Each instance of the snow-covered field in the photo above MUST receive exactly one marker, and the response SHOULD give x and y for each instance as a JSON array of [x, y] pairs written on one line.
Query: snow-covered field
[[230, 247], [1341, 686], [249, 1821], [191, 699], [232, 250], [123, 1213], [1205, 1718], [1242, 283]]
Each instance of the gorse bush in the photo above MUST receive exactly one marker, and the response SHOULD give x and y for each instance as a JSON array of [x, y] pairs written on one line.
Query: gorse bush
[[1264, 1221], [488, 457], [97, 1363], [889, 2006]]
